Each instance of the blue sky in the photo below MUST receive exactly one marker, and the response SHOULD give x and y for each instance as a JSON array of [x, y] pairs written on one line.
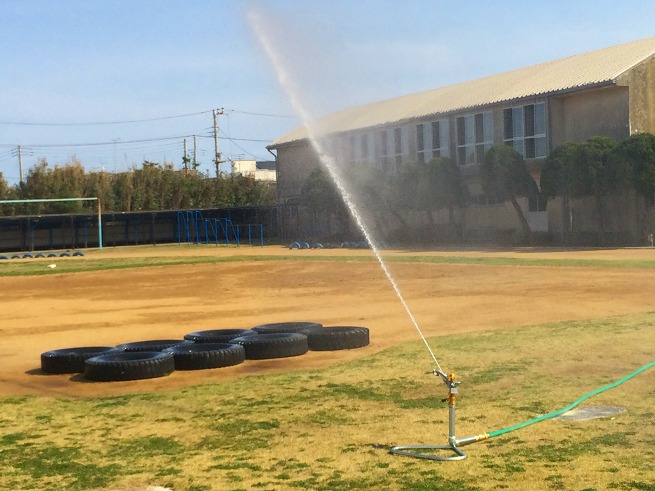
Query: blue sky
[[151, 71]]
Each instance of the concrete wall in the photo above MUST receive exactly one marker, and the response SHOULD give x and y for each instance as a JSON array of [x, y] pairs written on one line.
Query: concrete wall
[[641, 82], [295, 162], [580, 115]]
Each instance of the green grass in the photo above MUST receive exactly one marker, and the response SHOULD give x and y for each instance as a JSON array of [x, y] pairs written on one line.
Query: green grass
[[211, 255], [331, 429]]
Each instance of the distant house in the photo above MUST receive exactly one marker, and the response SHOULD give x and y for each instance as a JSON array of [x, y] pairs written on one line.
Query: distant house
[[608, 92], [259, 170]]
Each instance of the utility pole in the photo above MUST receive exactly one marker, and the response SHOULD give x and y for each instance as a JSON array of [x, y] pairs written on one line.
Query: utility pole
[[20, 165], [217, 155], [195, 153], [185, 160]]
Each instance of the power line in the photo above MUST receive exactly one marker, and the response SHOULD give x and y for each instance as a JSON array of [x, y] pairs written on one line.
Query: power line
[[100, 123], [288, 116], [145, 120]]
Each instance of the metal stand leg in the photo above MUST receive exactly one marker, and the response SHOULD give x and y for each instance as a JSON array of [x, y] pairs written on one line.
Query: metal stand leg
[[453, 442]]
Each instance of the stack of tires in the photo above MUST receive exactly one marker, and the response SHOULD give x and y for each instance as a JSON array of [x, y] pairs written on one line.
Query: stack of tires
[[200, 350]]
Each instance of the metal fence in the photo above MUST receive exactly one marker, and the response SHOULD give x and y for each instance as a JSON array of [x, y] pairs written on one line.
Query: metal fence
[[252, 226]]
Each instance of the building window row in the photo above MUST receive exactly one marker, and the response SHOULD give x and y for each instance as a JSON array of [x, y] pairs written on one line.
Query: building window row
[[474, 137], [432, 140], [393, 145], [525, 130]]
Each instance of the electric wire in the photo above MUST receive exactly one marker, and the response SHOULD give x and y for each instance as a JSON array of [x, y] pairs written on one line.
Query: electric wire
[[288, 116], [144, 120]]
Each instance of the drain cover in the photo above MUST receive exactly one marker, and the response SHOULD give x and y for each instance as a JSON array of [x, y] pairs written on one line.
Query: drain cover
[[591, 412]]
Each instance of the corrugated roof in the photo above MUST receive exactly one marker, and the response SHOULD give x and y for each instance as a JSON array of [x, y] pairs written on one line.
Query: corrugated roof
[[602, 66]]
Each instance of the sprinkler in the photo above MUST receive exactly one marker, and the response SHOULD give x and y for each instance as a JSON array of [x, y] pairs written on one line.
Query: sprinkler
[[453, 443]]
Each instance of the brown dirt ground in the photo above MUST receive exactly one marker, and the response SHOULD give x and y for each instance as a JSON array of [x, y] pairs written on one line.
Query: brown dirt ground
[[106, 308]]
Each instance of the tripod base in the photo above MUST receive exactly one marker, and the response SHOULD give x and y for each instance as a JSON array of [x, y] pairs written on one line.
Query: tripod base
[[414, 451]]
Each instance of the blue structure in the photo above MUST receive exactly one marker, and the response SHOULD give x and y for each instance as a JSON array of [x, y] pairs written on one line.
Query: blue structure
[[194, 228]]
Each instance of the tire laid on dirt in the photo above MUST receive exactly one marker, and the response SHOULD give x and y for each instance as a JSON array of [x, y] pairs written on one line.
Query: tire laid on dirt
[[129, 366], [276, 345], [218, 335], [152, 345], [337, 338], [70, 360], [201, 356], [285, 327]]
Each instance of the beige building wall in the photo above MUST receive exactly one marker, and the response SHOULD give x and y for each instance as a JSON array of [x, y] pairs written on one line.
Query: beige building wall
[[295, 162], [580, 115], [641, 83]]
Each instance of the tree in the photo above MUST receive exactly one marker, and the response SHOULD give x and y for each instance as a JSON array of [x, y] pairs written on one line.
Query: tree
[[320, 196], [561, 176], [100, 185], [604, 174], [4, 187], [505, 177], [6, 192], [38, 185], [447, 188], [638, 153]]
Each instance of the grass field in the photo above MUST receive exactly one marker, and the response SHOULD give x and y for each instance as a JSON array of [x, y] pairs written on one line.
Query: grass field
[[326, 422]]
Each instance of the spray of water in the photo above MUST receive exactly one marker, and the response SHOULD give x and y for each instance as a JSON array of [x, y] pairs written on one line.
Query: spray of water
[[318, 144]]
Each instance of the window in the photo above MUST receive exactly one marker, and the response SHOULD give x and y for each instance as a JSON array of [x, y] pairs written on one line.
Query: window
[[437, 134], [525, 130], [393, 147], [384, 150], [420, 143], [363, 146], [439, 138], [398, 146], [474, 137], [358, 149], [537, 202]]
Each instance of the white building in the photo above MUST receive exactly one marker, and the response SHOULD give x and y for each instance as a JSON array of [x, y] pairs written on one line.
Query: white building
[[260, 171]]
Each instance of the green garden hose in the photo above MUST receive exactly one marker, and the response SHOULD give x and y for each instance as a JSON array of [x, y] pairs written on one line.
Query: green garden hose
[[572, 405], [454, 443]]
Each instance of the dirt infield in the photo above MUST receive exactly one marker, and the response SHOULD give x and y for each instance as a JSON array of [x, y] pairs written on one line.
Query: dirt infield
[[106, 308]]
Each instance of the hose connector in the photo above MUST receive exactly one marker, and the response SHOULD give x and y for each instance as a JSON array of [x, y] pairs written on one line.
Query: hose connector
[[471, 439]]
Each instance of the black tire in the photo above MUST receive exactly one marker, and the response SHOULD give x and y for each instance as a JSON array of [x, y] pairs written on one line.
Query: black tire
[[217, 335], [285, 327], [207, 355], [78, 253], [129, 366], [337, 338], [276, 345], [65, 254], [152, 345], [69, 360]]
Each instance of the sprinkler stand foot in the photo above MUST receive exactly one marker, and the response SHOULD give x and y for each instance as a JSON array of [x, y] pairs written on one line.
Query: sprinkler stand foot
[[408, 451]]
